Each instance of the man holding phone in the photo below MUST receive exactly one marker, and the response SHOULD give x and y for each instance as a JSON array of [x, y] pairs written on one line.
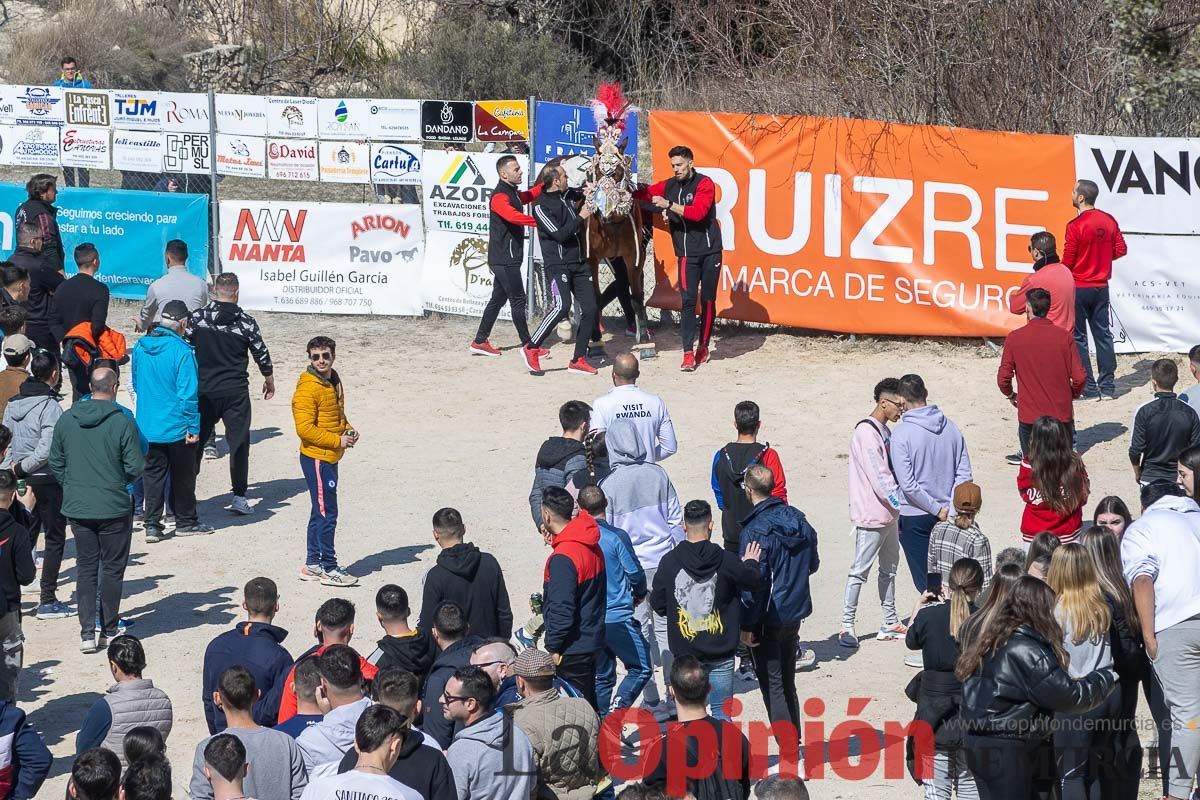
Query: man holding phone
[[319, 411], [225, 337]]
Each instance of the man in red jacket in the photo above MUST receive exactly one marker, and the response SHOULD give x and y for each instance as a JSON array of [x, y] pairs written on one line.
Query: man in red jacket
[[1049, 274], [1093, 242], [1046, 363]]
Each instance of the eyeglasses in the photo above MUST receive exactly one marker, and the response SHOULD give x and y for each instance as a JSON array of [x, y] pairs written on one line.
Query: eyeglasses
[[448, 698], [320, 356], [487, 664]]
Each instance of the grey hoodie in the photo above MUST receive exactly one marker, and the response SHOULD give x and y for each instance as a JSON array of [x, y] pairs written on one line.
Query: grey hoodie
[[929, 456], [324, 744], [31, 420], [483, 770], [641, 499]]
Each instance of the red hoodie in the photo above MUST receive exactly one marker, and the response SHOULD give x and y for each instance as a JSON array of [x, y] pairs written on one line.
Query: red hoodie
[[1094, 241], [288, 702], [1041, 518], [576, 589]]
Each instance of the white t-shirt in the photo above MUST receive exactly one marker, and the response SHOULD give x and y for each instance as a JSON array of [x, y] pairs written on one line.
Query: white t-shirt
[[648, 414], [359, 784]]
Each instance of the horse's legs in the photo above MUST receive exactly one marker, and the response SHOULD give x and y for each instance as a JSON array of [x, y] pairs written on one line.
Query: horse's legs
[[634, 268], [594, 333]]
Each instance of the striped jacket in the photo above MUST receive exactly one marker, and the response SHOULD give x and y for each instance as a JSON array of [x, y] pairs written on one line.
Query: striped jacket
[[558, 229]]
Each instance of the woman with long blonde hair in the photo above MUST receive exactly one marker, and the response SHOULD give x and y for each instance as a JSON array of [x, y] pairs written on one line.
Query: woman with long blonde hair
[[935, 629], [1083, 742]]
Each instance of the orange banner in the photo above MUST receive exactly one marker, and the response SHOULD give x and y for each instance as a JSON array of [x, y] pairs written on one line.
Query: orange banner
[[868, 227]]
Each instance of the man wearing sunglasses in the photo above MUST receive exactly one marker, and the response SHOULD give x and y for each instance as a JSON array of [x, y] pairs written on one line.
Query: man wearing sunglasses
[[319, 410]]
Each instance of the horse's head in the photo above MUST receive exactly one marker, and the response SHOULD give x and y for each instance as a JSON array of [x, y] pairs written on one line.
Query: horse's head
[[611, 176]]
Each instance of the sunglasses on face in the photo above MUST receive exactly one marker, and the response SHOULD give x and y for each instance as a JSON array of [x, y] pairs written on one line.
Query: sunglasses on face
[[320, 356], [448, 698]]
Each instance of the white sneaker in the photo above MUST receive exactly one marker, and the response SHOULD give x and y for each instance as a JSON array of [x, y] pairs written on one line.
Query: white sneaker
[[338, 577], [805, 658], [240, 506]]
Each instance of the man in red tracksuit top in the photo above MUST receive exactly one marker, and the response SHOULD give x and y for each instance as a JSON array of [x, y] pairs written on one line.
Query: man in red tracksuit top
[[688, 201], [1093, 242], [1046, 364], [506, 253]]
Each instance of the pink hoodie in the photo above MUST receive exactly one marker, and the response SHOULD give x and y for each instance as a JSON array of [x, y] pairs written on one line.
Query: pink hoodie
[[874, 494]]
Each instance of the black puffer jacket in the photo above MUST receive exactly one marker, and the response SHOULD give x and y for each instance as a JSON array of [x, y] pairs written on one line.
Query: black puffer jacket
[[1016, 691]]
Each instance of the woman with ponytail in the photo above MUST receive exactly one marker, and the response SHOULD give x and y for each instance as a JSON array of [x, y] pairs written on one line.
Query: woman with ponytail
[[1013, 669], [1083, 741], [935, 629], [1129, 659], [1053, 483]]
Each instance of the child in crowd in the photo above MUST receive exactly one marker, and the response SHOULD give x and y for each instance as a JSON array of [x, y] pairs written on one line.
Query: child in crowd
[[960, 537], [1053, 483], [1037, 560]]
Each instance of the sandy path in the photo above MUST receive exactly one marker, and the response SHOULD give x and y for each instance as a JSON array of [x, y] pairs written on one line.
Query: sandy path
[[442, 428]]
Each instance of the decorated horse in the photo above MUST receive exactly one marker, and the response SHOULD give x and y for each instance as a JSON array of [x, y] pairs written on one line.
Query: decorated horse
[[615, 229]]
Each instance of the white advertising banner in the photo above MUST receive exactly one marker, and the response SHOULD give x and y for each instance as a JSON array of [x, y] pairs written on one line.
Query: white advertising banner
[[84, 107], [456, 279], [292, 160], [396, 163], [294, 117], [326, 258], [37, 105], [1155, 295], [86, 147], [186, 112], [456, 187], [31, 146], [395, 119], [345, 162], [1149, 185], [187, 153], [241, 114], [134, 109], [343, 119], [137, 151], [241, 155]]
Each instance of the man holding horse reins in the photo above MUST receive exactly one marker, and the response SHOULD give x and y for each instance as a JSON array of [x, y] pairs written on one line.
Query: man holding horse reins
[[558, 226], [506, 253], [688, 201]]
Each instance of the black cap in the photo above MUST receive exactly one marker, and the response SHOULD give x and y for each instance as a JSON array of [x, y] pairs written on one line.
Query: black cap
[[176, 310]]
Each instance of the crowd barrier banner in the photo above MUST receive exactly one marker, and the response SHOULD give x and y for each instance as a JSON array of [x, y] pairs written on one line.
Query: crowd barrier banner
[[129, 228], [456, 188], [860, 226], [324, 258]]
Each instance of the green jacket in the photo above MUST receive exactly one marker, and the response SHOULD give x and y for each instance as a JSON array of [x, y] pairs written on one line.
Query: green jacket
[[95, 454]]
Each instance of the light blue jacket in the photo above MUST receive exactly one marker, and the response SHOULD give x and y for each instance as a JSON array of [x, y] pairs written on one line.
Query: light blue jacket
[[166, 384], [929, 456], [626, 578]]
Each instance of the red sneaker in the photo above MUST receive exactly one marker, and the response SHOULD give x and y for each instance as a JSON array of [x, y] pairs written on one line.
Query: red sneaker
[[582, 366], [689, 362], [530, 355], [543, 352], [484, 348], [701, 355]]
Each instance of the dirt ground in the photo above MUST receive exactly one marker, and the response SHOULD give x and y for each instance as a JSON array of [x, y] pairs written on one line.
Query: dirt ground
[[440, 427]]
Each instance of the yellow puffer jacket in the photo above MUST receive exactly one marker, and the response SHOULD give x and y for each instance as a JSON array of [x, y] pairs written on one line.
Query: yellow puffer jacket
[[319, 410]]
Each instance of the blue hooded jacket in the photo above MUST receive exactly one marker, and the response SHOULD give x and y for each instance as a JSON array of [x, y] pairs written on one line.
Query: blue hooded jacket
[[789, 556], [626, 578], [166, 382], [27, 755]]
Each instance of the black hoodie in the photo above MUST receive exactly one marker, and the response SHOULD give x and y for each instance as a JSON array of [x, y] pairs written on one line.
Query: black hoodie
[[16, 562], [697, 589], [558, 460], [419, 765], [413, 653], [434, 722], [471, 578], [225, 337]]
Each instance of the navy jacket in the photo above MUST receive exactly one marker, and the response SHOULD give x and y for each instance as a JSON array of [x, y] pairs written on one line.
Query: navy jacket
[[433, 721], [789, 556], [24, 754], [576, 590], [255, 646]]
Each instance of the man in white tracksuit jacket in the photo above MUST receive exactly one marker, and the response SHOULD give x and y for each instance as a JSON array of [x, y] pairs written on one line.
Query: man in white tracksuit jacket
[[646, 411]]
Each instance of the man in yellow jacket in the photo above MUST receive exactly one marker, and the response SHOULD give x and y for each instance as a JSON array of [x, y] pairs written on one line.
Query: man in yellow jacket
[[319, 410]]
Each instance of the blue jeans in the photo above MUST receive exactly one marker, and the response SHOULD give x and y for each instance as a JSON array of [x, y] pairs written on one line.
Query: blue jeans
[[322, 479], [1092, 309], [720, 682], [624, 641], [914, 540]]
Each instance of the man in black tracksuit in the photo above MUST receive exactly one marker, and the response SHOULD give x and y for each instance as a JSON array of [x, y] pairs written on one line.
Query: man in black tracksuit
[[562, 253], [39, 211], [506, 254], [467, 577], [1162, 428], [688, 201], [224, 337], [81, 298]]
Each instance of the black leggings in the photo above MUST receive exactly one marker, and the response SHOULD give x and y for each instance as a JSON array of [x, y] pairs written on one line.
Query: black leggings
[[565, 281], [698, 276], [507, 285]]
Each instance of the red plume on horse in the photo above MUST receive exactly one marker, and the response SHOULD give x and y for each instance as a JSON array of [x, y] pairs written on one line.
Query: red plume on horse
[[615, 229]]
